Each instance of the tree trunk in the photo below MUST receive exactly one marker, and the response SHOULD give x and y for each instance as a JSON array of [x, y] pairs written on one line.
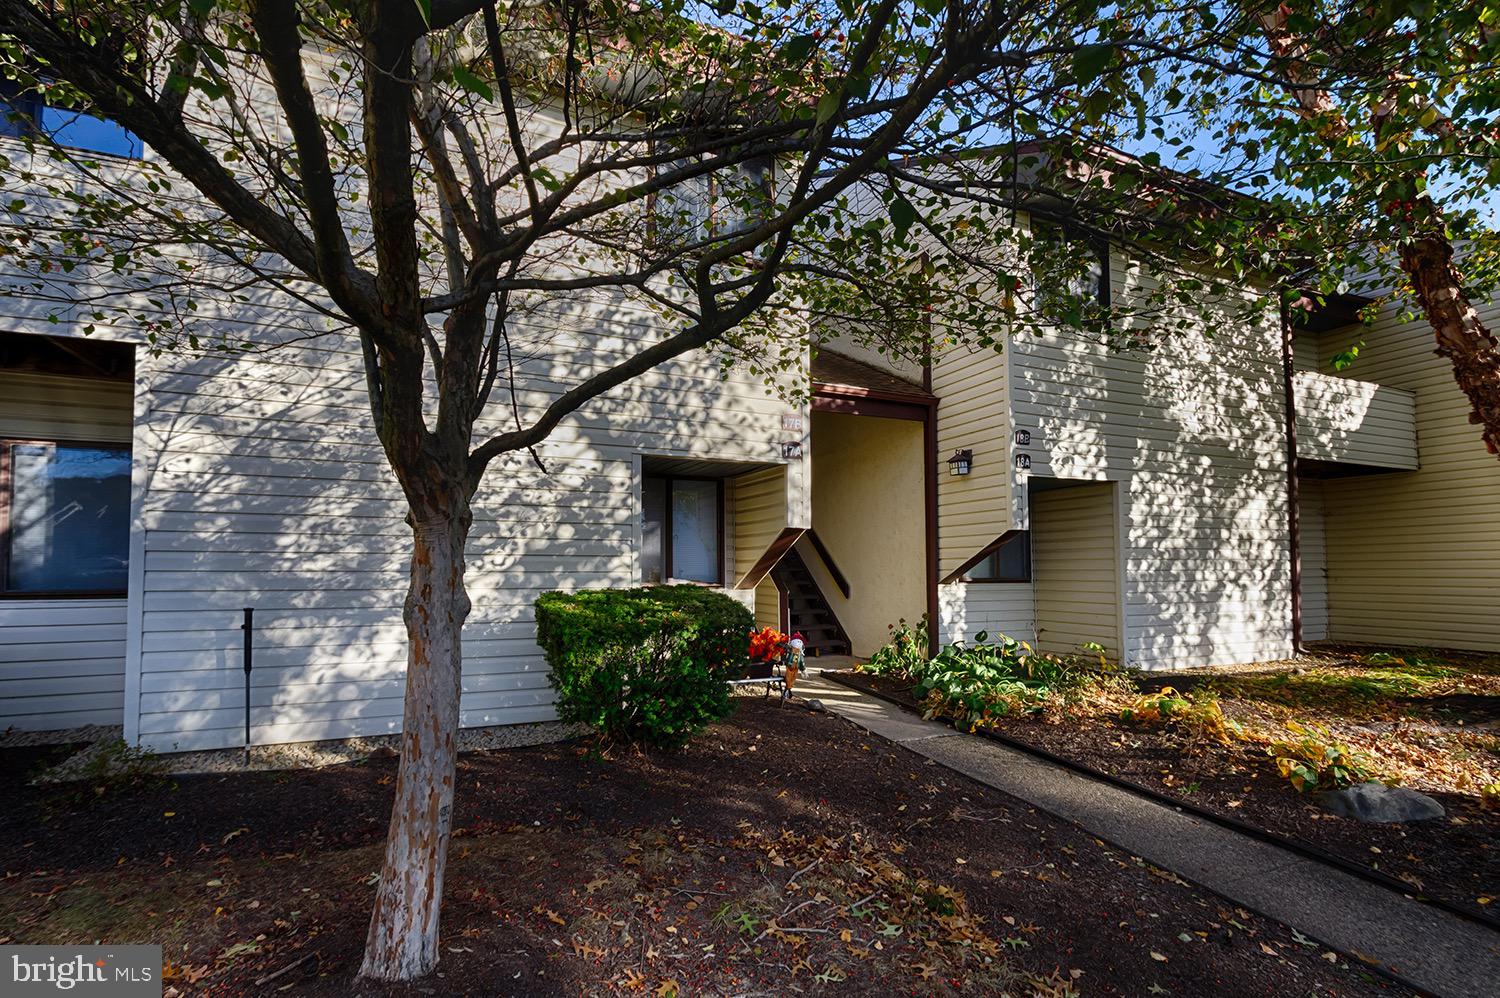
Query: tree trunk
[[1461, 337], [403, 938]]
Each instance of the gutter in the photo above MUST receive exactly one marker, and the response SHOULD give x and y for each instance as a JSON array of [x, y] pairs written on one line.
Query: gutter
[[1293, 480]]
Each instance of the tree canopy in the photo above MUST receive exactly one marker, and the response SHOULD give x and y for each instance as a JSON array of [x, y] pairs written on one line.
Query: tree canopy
[[418, 176]]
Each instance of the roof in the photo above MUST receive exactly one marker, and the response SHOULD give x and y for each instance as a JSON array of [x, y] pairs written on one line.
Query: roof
[[829, 368]]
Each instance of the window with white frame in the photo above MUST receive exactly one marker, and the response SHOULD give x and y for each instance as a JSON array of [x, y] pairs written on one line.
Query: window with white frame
[[65, 514], [682, 530]]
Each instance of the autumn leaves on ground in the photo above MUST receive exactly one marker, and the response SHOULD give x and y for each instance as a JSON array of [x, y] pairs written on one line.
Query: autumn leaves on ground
[[1256, 743], [782, 852]]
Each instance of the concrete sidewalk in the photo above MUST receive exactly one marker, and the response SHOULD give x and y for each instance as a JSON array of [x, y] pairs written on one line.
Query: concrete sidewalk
[[1428, 948]]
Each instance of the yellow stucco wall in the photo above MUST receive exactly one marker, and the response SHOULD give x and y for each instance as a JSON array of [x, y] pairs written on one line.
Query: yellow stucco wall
[[868, 509]]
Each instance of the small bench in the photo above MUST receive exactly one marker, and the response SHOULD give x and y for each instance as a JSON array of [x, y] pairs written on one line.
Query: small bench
[[775, 677], [775, 681]]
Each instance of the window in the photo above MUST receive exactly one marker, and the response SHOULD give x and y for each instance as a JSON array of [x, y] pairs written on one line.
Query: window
[[714, 205], [682, 521], [1009, 562], [25, 114], [64, 517], [1074, 260]]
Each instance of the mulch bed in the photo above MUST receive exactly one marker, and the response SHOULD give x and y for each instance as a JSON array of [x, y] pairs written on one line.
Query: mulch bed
[[1456, 859], [782, 852]]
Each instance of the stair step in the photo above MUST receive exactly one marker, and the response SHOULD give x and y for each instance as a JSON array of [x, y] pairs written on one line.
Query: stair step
[[808, 609]]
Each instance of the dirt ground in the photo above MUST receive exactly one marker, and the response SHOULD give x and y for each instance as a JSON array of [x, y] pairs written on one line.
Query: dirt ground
[[782, 852], [1430, 723]]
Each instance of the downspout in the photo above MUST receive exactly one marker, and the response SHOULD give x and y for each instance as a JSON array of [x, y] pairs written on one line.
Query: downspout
[[1293, 487], [930, 490]]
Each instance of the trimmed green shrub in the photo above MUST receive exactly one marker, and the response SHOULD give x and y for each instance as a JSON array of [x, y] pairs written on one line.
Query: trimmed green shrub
[[648, 666]]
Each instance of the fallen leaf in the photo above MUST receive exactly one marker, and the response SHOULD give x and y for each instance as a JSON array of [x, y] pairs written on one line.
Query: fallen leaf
[[1158, 957]]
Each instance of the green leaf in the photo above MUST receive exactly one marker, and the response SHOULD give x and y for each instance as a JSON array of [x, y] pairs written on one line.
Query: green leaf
[[465, 78], [799, 48], [828, 106], [1090, 61], [903, 216], [425, 6]]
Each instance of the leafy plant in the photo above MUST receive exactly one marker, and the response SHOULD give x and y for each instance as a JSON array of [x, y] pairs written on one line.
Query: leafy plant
[[1196, 714], [106, 765], [1314, 761], [648, 666], [905, 651], [981, 682]]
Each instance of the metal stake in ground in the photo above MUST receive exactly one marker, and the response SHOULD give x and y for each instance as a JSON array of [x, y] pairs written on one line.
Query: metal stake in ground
[[249, 628]]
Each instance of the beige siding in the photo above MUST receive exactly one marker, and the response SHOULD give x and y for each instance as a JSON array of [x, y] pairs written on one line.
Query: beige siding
[[973, 414], [1355, 422], [767, 604], [1414, 557], [1304, 350], [1074, 568], [54, 407], [868, 509], [62, 661], [1314, 562], [760, 515]]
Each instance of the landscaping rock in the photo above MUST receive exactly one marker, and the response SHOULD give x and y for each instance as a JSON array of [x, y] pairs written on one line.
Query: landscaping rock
[[1377, 803], [816, 706]]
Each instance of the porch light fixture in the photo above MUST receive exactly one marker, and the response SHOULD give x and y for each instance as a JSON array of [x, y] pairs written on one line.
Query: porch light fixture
[[961, 463]]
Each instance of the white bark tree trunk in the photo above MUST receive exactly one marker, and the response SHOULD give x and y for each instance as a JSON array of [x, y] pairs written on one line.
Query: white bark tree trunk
[[403, 939]]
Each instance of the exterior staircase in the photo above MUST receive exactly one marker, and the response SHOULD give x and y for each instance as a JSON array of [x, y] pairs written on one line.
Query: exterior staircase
[[809, 611]]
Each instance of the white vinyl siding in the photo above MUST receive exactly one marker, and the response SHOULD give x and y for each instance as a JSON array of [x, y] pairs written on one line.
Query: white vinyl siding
[[259, 482], [62, 661], [1414, 557], [967, 609], [1194, 432], [1074, 568], [269, 491], [1355, 422]]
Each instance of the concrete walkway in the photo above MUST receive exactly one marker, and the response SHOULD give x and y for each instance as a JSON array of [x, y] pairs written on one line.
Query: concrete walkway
[[1426, 947]]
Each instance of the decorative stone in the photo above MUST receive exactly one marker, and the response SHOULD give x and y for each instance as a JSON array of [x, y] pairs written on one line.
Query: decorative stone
[[816, 706], [1377, 803]]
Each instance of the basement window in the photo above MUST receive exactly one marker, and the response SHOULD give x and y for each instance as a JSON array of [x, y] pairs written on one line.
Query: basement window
[[682, 530], [1008, 562]]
